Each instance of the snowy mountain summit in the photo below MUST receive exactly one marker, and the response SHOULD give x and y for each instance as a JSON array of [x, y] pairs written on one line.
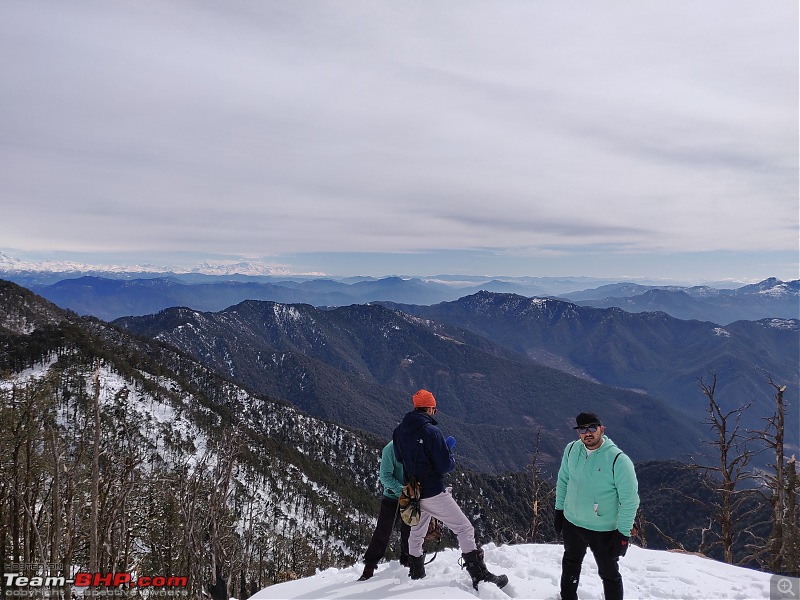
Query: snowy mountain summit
[[9, 264], [777, 288], [534, 570]]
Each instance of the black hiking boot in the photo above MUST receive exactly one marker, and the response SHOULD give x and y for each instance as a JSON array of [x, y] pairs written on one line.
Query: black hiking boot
[[404, 559], [473, 561], [369, 571], [417, 566]]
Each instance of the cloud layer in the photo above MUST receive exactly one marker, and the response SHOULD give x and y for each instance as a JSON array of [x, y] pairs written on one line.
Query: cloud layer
[[265, 128]]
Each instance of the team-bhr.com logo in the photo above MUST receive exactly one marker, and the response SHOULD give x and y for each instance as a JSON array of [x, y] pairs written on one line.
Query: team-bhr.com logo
[[86, 580]]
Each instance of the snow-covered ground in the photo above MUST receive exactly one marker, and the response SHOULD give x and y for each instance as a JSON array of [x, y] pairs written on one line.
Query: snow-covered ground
[[534, 570]]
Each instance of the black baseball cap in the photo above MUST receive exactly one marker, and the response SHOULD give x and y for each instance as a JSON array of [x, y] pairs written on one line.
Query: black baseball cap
[[585, 419]]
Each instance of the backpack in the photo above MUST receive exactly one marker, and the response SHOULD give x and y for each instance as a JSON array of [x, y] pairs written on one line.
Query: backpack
[[409, 502]]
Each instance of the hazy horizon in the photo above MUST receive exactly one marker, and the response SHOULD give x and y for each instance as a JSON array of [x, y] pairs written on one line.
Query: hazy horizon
[[630, 140], [222, 268]]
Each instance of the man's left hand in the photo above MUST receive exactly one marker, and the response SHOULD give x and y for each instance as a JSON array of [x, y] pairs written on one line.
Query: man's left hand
[[558, 520], [618, 544]]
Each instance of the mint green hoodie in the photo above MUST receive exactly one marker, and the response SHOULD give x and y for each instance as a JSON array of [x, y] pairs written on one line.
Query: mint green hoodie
[[594, 491], [391, 473]]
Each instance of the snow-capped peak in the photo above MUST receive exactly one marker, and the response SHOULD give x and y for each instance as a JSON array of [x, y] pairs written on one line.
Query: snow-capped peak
[[9, 264]]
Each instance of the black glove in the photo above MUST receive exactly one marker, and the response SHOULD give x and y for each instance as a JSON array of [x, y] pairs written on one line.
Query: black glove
[[618, 545], [558, 520]]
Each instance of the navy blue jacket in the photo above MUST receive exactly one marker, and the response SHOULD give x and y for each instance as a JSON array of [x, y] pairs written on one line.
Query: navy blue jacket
[[433, 457]]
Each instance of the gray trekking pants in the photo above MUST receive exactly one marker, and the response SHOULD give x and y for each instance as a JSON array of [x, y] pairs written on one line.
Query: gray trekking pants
[[444, 508]]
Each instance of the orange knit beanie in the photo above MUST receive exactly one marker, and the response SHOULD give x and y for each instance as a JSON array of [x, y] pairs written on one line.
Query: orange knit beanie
[[424, 399]]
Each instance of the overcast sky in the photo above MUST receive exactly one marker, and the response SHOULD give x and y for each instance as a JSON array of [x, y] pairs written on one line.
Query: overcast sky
[[614, 138]]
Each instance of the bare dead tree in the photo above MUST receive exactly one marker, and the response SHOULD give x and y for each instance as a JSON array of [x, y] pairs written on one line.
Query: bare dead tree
[[123, 453], [189, 502], [669, 539], [730, 471], [536, 484], [780, 558], [641, 524], [792, 544], [57, 509], [25, 484], [95, 489], [72, 463], [220, 527], [207, 521], [37, 537]]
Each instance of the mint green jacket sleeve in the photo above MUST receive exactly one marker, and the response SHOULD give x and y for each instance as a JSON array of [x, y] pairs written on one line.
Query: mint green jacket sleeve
[[627, 492], [391, 472]]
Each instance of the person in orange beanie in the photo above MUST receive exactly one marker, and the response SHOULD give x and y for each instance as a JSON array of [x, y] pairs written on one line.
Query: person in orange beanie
[[426, 457]]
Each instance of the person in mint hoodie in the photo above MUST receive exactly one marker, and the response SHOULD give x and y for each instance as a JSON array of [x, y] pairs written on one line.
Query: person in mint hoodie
[[391, 476], [597, 496]]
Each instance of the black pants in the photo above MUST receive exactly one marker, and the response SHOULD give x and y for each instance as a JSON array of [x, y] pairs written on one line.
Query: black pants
[[383, 531], [576, 540]]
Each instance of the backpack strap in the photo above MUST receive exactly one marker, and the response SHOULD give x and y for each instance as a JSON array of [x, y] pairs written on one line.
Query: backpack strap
[[412, 478], [571, 446], [615, 462]]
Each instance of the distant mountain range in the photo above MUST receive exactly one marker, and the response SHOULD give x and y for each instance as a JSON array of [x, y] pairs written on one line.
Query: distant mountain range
[[37, 274], [769, 298], [62, 268], [116, 295], [110, 298]]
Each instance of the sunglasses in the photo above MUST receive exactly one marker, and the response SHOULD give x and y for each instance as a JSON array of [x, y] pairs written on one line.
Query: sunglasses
[[591, 428]]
